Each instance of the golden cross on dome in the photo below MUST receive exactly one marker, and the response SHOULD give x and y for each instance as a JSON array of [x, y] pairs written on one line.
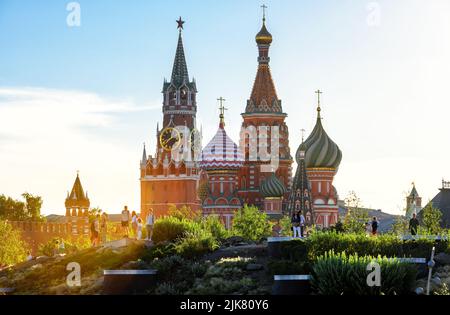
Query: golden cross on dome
[[318, 92], [180, 24], [222, 109], [264, 7]]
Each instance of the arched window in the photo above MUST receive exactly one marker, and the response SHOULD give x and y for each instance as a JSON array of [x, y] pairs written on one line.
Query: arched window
[[243, 183]]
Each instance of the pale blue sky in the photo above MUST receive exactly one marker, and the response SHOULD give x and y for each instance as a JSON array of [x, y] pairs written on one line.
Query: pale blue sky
[[87, 97]]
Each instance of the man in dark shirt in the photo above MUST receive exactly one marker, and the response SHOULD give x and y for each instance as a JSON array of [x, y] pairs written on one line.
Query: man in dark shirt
[[374, 226], [413, 224]]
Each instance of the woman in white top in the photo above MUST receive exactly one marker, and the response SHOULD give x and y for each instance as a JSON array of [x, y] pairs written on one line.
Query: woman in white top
[[139, 228], [134, 223]]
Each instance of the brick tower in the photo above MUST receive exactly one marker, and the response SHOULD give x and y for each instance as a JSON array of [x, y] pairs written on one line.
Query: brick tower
[[264, 136], [77, 209], [221, 161], [170, 177]]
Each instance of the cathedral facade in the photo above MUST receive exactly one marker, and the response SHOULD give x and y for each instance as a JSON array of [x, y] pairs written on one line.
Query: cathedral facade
[[224, 176]]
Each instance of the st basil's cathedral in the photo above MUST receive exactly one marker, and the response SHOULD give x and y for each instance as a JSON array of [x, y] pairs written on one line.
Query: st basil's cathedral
[[224, 176]]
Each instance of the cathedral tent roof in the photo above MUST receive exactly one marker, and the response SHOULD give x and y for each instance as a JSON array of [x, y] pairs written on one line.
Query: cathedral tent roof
[[77, 197], [221, 152]]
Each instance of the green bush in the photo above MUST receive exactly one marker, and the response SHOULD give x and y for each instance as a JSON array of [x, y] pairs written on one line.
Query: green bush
[[341, 274], [71, 246], [251, 223], [215, 227], [177, 274], [12, 249], [387, 245], [196, 243], [226, 276], [170, 229], [286, 226]]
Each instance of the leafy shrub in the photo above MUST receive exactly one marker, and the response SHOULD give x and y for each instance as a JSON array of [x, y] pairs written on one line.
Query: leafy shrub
[[196, 243], [170, 229], [177, 275], [337, 274], [159, 251], [12, 249], [286, 226], [71, 245], [226, 276], [184, 213], [217, 229], [251, 223], [442, 290], [388, 245]]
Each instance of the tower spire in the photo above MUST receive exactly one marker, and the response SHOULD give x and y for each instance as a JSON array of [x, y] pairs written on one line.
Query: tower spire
[[180, 71], [144, 156], [318, 92], [222, 112]]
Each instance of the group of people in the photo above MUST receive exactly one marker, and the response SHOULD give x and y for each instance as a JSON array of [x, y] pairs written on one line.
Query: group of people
[[99, 229], [137, 224], [298, 224], [413, 225]]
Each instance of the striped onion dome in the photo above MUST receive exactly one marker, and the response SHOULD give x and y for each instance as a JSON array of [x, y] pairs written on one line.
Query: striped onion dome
[[221, 152], [263, 37], [272, 187], [321, 151]]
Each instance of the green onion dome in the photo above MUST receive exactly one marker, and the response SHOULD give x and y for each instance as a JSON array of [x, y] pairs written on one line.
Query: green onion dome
[[272, 187], [321, 151]]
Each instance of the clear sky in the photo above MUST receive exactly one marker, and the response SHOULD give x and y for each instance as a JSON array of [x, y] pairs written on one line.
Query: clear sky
[[86, 98]]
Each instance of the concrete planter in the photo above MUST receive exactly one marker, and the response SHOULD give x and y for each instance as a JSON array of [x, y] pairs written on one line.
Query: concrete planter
[[125, 282], [291, 285], [274, 245]]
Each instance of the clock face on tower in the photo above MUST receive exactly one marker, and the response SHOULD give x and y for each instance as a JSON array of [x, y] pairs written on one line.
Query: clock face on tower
[[170, 138]]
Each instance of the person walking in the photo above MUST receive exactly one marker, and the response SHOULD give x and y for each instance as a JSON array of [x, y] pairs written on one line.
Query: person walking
[[125, 221], [134, 223], [149, 224], [413, 224], [295, 221], [374, 226], [302, 224], [103, 227]]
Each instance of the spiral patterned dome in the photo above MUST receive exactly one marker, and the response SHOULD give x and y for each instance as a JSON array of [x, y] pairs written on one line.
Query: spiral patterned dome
[[272, 187], [321, 151]]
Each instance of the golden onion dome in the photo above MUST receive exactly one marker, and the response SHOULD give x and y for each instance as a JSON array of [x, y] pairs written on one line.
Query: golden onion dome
[[264, 37]]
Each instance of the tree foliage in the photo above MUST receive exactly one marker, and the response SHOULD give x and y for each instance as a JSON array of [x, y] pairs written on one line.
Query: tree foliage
[[12, 249], [400, 226], [16, 210], [356, 219], [431, 219], [251, 223]]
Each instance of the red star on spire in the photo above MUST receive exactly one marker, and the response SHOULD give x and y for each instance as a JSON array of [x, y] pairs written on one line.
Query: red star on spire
[[180, 23]]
